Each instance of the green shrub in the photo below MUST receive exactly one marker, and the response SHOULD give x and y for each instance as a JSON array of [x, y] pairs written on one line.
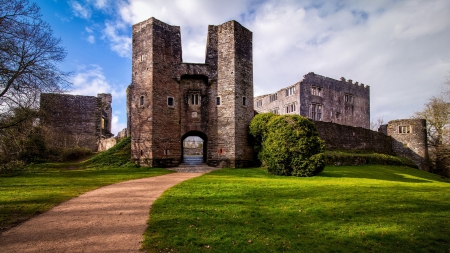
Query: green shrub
[[258, 128], [12, 168], [338, 158], [290, 145]]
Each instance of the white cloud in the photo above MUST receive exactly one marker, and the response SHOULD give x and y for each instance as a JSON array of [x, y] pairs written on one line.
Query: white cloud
[[121, 44], [117, 126], [91, 37], [90, 80], [80, 10], [399, 48], [100, 4]]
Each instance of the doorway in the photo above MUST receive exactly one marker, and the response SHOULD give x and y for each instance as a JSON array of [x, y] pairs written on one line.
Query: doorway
[[194, 148]]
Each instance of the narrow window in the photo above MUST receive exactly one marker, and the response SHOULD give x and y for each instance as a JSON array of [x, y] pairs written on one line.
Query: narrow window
[[141, 102], [273, 97], [218, 101], [196, 99], [259, 103], [170, 101], [404, 129], [348, 98], [103, 123], [243, 101], [316, 91], [142, 152]]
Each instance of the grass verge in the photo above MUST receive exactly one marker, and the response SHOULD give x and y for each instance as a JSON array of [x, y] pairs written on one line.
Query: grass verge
[[368, 208], [40, 187]]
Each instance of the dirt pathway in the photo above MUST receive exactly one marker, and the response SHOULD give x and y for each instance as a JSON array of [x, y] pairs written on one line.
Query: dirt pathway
[[109, 219]]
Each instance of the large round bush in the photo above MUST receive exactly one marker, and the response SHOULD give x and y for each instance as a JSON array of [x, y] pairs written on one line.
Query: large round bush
[[291, 146], [258, 129]]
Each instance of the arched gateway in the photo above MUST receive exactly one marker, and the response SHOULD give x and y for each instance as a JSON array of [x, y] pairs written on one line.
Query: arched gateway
[[169, 100]]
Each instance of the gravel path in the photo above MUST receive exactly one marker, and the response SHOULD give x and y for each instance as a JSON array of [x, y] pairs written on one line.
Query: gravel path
[[109, 219]]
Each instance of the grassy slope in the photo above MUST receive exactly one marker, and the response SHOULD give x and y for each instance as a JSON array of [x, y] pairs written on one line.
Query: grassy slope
[[370, 208], [45, 185]]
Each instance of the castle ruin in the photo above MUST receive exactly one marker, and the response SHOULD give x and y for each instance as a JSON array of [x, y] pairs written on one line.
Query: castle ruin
[[74, 120]]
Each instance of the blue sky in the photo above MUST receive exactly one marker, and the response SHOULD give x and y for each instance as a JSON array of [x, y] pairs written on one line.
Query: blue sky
[[399, 48]]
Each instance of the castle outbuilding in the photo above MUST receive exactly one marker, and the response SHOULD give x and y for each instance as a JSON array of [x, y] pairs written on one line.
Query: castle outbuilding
[[169, 100]]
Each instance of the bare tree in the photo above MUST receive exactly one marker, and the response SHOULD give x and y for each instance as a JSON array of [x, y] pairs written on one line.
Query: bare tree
[[29, 55], [375, 125]]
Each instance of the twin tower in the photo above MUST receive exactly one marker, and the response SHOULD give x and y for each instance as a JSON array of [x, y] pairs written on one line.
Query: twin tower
[[169, 100]]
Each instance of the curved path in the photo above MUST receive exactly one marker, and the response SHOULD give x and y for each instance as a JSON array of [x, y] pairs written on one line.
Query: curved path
[[109, 219]]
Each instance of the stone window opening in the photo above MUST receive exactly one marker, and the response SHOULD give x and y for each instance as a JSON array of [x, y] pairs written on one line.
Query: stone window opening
[[259, 103], [166, 152], [316, 91], [244, 102], [290, 91], [218, 102], [170, 101], [142, 152], [315, 112], [195, 99], [273, 97], [404, 129], [291, 108], [141, 101], [275, 111], [348, 98], [221, 151]]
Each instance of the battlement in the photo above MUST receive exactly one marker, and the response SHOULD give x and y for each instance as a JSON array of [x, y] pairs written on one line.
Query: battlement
[[311, 76]]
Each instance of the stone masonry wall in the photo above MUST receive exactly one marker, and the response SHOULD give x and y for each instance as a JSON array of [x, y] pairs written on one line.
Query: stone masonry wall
[[72, 120], [341, 137]]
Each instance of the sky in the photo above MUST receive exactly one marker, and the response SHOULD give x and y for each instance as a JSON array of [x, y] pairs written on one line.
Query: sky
[[400, 48]]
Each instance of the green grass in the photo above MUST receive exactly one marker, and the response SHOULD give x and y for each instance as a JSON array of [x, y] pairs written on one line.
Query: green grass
[[369, 208], [40, 187]]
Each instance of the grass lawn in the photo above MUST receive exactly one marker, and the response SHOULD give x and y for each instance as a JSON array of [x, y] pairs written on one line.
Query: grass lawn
[[371, 208], [44, 186]]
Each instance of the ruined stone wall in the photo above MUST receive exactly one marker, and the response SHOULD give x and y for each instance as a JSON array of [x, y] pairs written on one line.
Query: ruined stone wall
[[72, 120], [342, 102], [410, 140], [158, 126], [341, 137]]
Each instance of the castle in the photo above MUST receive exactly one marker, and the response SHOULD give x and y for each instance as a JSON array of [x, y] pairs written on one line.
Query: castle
[[169, 101]]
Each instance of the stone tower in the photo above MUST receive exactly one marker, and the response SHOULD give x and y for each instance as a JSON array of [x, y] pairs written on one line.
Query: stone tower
[[409, 139], [169, 100]]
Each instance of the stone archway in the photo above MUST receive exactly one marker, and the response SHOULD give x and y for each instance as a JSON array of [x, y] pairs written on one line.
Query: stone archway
[[194, 151]]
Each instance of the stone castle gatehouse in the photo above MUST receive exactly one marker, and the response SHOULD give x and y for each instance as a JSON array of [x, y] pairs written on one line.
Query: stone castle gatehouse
[[169, 100]]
